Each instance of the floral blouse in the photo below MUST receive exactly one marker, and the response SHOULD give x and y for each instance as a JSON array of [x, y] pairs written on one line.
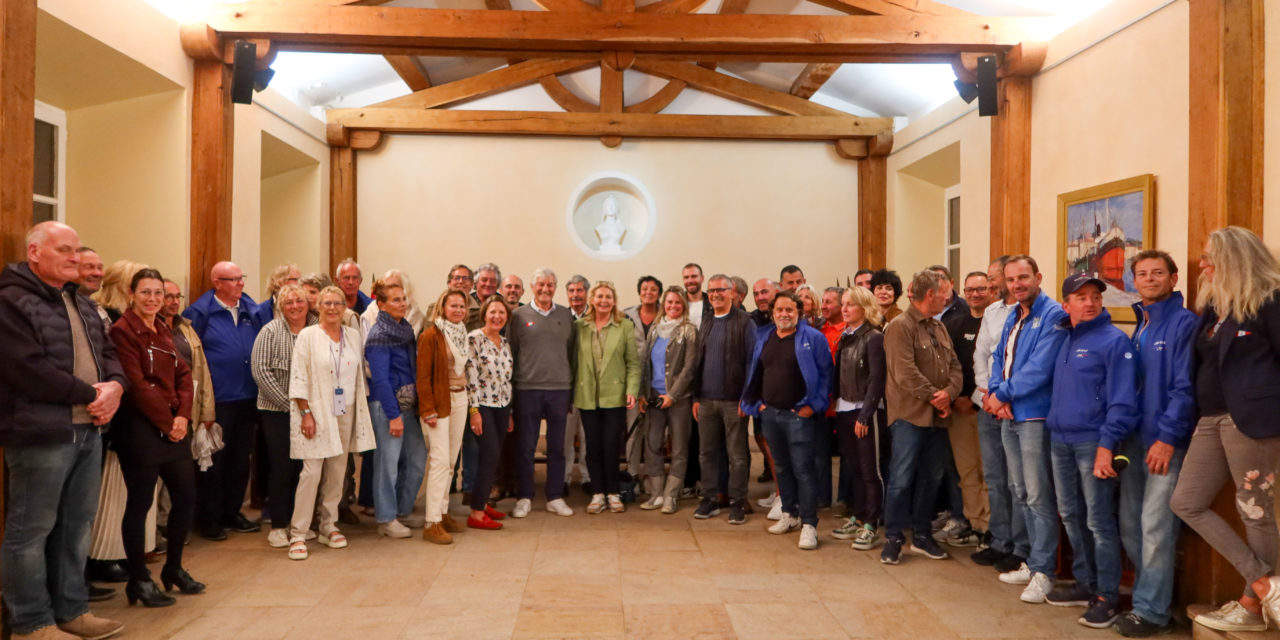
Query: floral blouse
[[489, 369]]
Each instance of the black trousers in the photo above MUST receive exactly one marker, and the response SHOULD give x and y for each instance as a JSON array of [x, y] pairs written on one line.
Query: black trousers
[[282, 477], [604, 429], [140, 482], [869, 464], [494, 422], [221, 488]]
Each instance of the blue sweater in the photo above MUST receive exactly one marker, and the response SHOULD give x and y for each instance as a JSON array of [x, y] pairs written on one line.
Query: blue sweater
[[813, 354], [1164, 354], [1095, 385], [1029, 387], [227, 346], [391, 365]]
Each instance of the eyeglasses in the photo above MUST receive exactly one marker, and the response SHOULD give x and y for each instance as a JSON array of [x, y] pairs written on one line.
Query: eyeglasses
[[333, 303], [719, 290], [173, 296], [239, 279], [971, 290]]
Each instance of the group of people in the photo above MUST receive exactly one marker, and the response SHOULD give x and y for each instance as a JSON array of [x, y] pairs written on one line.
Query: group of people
[[996, 405]]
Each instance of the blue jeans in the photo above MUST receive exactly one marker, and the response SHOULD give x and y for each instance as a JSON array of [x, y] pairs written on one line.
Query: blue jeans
[[791, 441], [53, 495], [1149, 530], [915, 474], [1008, 529], [1088, 507], [1026, 446], [399, 464]]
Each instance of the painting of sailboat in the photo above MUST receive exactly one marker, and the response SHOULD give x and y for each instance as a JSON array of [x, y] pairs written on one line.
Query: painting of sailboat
[[1101, 229]]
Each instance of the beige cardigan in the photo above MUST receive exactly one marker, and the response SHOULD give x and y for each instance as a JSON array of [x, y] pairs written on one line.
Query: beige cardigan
[[311, 379], [202, 407]]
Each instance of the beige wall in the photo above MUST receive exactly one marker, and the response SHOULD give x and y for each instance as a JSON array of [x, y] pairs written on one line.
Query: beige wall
[[291, 226], [747, 208], [127, 180]]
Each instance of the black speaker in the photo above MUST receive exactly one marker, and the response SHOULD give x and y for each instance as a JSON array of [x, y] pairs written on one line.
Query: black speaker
[[988, 102], [242, 72]]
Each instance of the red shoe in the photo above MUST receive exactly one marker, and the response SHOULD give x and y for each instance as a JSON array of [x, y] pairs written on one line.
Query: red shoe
[[483, 522], [493, 513]]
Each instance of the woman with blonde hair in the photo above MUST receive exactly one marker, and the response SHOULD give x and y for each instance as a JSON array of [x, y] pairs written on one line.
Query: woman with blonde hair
[[442, 405], [279, 277], [328, 418], [415, 316], [605, 385], [858, 385], [114, 296], [809, 301], [1236, 369], [669, 363]]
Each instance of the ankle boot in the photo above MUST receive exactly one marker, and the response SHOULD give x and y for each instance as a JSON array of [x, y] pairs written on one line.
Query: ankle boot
[[450, 524], [147, 592], [435, 533], [178, 577]]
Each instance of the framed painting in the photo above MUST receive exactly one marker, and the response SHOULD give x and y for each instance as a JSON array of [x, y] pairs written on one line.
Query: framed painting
[[1100, 229]]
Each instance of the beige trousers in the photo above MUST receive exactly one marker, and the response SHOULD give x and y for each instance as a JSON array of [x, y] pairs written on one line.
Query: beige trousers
[[323, 476], [968, 455], [443, 443]]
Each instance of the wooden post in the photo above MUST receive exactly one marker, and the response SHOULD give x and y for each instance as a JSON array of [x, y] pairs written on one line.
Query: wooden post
[[1011, 169], [873, 181], [17, 124], [212, 133], [342, 205]]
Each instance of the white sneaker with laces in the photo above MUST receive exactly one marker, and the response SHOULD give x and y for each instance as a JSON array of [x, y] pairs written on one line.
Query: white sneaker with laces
[[522, 508], [765, 503], [278, 538], [597, 504], [394, 529], [775, 513], [559, 507], [952, 527], [1021, 575], [785, 525], [1037, 589], [808, 537]]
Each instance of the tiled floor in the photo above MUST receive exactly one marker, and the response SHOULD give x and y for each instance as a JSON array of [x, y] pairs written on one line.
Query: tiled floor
[[635, 575]]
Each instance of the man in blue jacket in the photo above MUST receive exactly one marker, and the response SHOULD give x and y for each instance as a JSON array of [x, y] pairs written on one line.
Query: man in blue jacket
[[223, 318], [1148, 528], [1094, 408], [1018, 395], [787, 385]]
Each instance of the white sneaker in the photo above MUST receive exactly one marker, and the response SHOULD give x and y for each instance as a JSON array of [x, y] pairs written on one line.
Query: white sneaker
[[808, 537], [522, 508], [558, 507], [278, 538], [597, 504], [652, 503], [765, 503], [1037, 589], [952, 527], [785, 525], [1021, 575], [775, 513], [394, 529]]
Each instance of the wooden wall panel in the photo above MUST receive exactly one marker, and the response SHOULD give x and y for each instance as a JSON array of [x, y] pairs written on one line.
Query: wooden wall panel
[[342, 205], [17, 124], [873, 236]]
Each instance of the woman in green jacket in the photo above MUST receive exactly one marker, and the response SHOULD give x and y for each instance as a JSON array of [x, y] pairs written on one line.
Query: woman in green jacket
[[606, 383]]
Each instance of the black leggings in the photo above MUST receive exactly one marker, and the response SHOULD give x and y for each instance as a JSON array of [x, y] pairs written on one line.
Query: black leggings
[[282, 479], [494, 423], [867, 456], [604, 429], [140, 481]]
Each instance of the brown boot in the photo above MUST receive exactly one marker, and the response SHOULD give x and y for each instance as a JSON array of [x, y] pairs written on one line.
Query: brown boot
[[91, 626], [450, 524], [435, 533]]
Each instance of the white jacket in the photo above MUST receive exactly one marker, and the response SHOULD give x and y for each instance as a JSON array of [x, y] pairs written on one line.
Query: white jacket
[[311, 379]]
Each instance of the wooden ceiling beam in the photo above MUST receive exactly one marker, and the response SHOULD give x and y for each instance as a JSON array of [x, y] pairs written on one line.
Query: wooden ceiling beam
[[411, 71], [394, 30], [567, 6], [892, 7], [672, 6], [733, 7], [704, 59], [487, 83], [641, 125], [732, 88], [814, 75]]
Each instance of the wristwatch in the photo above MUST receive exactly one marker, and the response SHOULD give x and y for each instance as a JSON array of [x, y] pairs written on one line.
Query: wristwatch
[[306, 412]]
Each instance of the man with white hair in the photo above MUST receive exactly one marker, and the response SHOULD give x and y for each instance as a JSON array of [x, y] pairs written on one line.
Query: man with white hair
[[348, 276], [61, 383]]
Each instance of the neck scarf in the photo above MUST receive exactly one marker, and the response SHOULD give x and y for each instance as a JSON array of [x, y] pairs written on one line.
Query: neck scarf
[[666, 327], [455, 334]]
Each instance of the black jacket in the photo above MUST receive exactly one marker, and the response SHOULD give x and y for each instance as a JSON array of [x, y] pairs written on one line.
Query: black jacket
[[860, 370], [37, 362], [1249, 368], [739, 342]]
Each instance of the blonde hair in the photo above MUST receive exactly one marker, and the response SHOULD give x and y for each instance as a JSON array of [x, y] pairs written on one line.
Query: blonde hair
[[591, 296], [813, 295], [679, 292], [278, 277], [330, 290], [114, 293], [863, 297], [1245, 274], [403, 278], [286, 291], [437, 310]]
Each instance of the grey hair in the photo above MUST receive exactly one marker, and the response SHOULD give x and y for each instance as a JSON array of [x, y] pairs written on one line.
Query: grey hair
[[544, 272], [40, 233], [317, 280], [489, 266], [337, 273], [720, 276], [578, 279], [838, 290], [740, 286], [923, 282]]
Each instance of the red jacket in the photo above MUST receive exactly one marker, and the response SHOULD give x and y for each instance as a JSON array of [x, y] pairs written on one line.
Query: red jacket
[[159, 381]]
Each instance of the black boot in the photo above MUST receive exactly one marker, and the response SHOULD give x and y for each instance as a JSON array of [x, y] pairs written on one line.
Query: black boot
[[106, 571], [148, 593], [171, 577]]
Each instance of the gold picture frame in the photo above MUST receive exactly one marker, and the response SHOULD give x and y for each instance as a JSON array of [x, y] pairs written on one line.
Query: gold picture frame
[[1100, 229]]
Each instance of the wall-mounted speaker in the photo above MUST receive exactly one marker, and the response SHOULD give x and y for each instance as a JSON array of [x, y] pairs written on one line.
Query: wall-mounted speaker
[[988, 102], [242, 72]]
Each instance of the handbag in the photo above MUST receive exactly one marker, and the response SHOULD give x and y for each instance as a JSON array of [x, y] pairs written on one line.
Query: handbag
[[407, 398]]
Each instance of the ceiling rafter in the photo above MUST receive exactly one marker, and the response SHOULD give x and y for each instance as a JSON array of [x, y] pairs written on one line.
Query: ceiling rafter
[[411, 71], [487, 83], [727, 86], [812, 77]]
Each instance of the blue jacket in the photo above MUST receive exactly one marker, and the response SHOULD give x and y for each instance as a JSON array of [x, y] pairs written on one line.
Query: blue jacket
[[227, 347], [1095, 385], [362, 302], [391, 365], [1031, 384], [1164, 355], [813, 353]]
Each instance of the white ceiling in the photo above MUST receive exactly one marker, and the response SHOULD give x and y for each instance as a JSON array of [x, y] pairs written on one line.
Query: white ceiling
[[317, 81]]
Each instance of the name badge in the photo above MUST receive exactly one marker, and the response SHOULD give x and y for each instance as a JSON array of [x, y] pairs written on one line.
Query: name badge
[[339, 402]]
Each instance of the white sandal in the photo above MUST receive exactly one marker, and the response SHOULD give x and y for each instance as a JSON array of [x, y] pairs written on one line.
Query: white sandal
[[334, 539], [298, 550]]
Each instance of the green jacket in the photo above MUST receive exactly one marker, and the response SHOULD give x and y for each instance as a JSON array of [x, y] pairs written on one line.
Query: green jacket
[[620, 377]]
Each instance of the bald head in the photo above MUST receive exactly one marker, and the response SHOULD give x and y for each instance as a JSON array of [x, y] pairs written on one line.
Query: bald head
[[228, 282], [53, 253], [763, 292]]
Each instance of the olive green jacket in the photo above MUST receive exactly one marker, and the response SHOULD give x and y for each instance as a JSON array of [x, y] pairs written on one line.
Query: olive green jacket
[[609, 387]]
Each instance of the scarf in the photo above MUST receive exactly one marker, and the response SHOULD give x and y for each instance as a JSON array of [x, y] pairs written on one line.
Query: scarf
[[388, 332], [665, 327], [455, 335]]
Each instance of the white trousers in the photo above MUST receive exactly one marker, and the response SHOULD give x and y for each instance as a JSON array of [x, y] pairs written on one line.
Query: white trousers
[[443, 443]]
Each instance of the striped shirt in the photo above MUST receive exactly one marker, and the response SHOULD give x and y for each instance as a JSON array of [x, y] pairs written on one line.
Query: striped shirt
[[272, 354]]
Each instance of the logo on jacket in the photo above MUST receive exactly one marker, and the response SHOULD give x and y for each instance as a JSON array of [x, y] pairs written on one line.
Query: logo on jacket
[[1128, 355], [1035, 322], [1082, 353], [1242, 333], [1158, 345]]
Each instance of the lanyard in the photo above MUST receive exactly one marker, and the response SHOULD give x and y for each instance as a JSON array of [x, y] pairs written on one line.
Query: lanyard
[[337, 361]]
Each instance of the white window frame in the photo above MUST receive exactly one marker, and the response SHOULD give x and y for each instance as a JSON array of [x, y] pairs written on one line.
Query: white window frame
[[949, 194], [58, 118]]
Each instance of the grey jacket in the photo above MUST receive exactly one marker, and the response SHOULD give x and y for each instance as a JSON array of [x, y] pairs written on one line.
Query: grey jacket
[[682, 362]]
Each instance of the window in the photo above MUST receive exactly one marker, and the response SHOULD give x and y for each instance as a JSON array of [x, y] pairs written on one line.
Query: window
[[953, 234], [50, 164]]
